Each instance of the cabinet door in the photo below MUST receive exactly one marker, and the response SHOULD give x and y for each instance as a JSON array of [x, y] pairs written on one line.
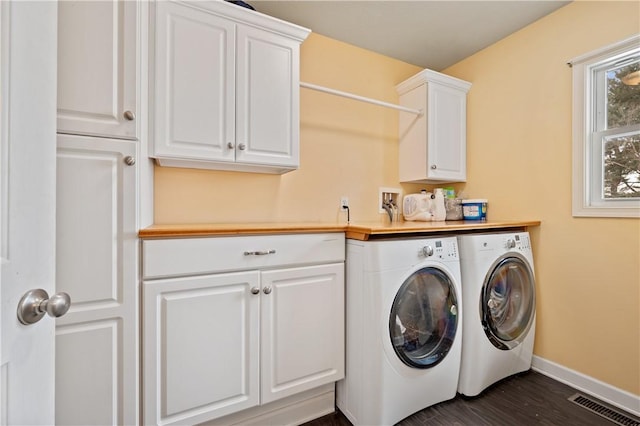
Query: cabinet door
[[97, 68], [432, 146], [446, 134], [96, 252], [268, 98], [194, 84], [302, 329], [201, 347]]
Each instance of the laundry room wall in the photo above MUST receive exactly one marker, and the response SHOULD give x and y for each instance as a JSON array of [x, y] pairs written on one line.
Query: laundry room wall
[[346, 148], [519, 157]]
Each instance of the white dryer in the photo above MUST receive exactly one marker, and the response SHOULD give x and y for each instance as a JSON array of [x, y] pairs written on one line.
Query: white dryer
[[498, 294], [403, 336]]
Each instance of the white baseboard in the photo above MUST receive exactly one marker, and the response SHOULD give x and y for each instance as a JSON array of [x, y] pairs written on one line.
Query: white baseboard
[[604, 392]]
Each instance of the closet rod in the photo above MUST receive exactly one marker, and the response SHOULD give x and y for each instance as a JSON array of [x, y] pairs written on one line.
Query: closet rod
[[359, 98]]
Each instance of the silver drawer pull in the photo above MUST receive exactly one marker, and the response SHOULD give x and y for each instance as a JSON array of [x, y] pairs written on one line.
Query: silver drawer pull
[[259, 252]]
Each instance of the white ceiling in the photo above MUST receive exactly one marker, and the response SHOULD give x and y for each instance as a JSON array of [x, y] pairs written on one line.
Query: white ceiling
[[427, 33]]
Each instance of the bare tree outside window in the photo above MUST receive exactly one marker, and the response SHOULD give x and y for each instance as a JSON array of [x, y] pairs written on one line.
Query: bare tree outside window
[[621, 151]]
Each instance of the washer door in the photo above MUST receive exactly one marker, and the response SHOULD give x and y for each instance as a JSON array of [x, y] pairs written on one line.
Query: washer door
[[424, 318], [507, 302]]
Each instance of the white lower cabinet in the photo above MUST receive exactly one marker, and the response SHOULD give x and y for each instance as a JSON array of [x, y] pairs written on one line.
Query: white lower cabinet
[[263, 325]]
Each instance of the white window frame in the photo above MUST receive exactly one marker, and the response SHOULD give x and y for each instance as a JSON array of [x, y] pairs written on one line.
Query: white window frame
[[585, 157]]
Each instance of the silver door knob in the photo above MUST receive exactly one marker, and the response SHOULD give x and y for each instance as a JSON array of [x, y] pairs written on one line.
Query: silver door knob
[[35, 303], [229, 145], [129, 160], [242, 147], [266, 290], [129, 115], [433, 167], [255, 290]]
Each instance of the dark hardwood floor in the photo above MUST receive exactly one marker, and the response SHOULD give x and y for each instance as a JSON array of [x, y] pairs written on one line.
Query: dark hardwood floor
[[528, 398]]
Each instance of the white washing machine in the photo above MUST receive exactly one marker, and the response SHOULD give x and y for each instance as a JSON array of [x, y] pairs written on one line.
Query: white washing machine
[[403, 336], [498, 294]]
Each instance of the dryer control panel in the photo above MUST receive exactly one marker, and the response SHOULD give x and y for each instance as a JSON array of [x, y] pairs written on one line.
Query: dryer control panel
[[518, 242]]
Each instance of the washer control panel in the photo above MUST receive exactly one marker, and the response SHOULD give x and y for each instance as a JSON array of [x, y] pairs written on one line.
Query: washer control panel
[[445, 249]]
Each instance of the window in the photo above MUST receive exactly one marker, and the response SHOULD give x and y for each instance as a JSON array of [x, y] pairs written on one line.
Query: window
[[606, 131]]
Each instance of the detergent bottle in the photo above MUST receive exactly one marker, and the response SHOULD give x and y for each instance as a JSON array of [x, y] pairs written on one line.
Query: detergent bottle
[[439, 210], [418, 207]]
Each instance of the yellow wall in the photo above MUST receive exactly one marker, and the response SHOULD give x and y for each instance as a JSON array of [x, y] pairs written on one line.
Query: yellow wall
[[518, 156], [346, 148]]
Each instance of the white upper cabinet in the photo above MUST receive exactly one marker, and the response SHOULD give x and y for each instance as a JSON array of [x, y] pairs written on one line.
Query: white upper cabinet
[[97, 68], [432, 146], [225, 88]]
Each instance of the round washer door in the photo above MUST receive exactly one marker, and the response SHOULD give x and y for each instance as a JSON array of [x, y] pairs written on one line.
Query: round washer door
[[507, 302], [424, 318]]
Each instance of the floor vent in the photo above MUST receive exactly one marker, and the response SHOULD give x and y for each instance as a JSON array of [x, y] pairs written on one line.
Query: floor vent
[[617, 417]]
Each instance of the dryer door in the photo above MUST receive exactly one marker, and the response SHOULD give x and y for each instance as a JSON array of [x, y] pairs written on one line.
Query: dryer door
[[424, 318], [507, 302]]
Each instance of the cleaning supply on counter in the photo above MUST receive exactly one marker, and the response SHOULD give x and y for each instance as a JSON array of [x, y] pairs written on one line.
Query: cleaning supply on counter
[[439, 210], [475, 209], [418, 207], [449, 192], [453, 206]]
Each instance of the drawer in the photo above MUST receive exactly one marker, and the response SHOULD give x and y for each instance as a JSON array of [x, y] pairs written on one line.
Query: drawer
[[197, 256]]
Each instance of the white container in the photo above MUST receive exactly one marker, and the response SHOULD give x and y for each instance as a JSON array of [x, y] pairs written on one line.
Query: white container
[[418, 207], [474, 209], [439, 210]]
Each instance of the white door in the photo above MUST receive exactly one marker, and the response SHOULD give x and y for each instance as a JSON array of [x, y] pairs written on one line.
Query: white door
[[194, 83], [97, 59], [201, 335], [267, 110], [308, 352], [96, 252], [27, 206]]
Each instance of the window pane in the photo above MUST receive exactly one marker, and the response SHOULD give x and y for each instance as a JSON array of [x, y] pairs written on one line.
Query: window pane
[[623, 95], [621, 166]]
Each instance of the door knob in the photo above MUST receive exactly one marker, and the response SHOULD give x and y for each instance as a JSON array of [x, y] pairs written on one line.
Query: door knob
[[129, 160], [35, 303], [129, 115]]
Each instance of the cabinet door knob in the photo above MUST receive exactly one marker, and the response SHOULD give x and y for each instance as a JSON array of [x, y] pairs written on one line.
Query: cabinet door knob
[[255, 290], [267, 290], [433, 167], [242, 147], [229, 145], [129, 115], [129, 160]]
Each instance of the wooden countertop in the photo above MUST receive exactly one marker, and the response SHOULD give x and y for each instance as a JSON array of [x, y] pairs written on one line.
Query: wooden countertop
[[355, 230]]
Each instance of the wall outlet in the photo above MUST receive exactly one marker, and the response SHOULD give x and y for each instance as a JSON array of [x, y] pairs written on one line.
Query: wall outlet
[[344, 202]]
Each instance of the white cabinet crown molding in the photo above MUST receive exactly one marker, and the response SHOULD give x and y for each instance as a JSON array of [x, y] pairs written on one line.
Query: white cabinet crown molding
[[252, 17], [429, 76]]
